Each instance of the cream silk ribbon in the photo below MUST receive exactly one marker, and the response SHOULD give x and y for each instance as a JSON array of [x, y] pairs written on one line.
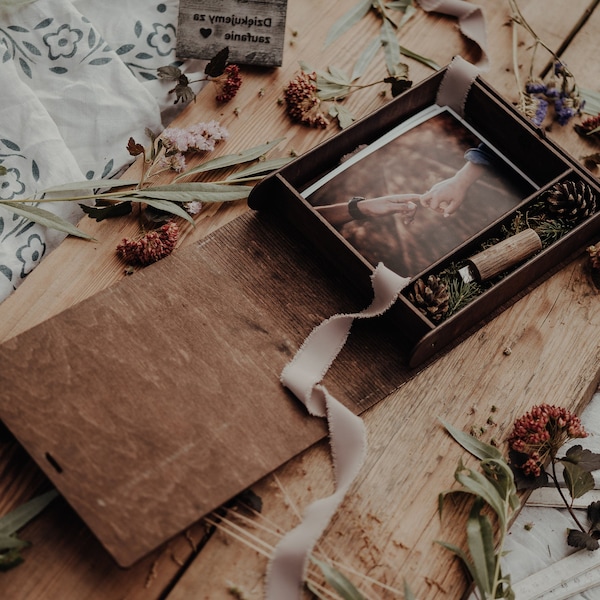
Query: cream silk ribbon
[[470, 20], [347, 436]]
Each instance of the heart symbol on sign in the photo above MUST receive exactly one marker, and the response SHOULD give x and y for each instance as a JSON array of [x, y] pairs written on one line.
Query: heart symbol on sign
[[205, 32]]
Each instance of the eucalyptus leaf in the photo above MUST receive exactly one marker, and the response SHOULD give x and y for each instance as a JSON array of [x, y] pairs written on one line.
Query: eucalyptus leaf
[[592, 101], [16, 2], [408, 593], [20, 516], [462, 555], [348, 20], [422, 59], [261, 168], [471, 444], [11, 542], [391, 48], [160, 203], [365, 59], [232, 159], [45, 218], [478, 485], [339, 582], [577, 480], [409, 13], [219, 193], [480, 540], [90, 184]]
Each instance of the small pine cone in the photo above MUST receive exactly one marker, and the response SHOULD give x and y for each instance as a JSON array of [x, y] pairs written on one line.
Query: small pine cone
[[571, 200], [431, 298]]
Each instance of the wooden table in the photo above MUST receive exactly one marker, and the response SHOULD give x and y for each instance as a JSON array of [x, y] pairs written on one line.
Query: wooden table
[[387, 526]]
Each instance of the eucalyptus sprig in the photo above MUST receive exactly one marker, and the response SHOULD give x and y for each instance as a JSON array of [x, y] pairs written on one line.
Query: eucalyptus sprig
[[492, 488], [11, 523], [116, 197], [333, 85]]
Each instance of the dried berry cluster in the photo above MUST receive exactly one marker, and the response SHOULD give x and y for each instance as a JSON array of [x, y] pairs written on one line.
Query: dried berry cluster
[[302, 103], [229, 83], [540, 433], [151, 247]]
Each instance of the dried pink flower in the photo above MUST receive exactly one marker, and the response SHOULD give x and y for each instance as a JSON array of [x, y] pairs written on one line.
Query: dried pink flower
[[540, 433], [228, 84], [201, 137], [302, 102], [151, 247], [175, 162]]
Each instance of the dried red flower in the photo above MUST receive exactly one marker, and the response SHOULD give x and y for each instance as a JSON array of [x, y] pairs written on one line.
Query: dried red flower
[[540, 433], [151, 247], [229, 83], [302, 102], [588, 127]]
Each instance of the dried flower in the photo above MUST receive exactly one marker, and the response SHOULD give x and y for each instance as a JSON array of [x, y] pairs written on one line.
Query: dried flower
[[175, 162], [201, 137], [540, 433], [193, 207], [589, 127], [302, 102], [151, 247], [228, 84]]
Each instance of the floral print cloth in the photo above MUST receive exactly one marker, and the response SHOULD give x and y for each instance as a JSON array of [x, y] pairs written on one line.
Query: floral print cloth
[[78, 78]]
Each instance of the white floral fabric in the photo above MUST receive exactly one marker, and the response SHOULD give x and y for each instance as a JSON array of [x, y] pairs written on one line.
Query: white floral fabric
[[77, 79]]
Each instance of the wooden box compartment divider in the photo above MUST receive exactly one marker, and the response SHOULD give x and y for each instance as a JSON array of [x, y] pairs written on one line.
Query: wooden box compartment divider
[[514, 136]]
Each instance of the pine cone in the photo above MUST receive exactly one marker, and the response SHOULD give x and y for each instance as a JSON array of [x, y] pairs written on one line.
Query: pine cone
[[431, 298], [571, 200]]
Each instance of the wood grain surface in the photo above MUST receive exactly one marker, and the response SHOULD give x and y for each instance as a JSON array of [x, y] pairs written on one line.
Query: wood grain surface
[[545, 348]]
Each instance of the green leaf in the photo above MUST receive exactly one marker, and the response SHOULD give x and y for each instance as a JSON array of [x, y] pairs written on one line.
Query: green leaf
[[592, 101], [260, 168], [344, 116], [579, 539], [332, 91], [159, 202], [462, 555], [593, 514], [471, 444], [11, 542], [45, 218], [408, 593], [478, 485], [391, 48], [578, 480], [348, 20], [428, 62], [339, 582], [203, 192], [586, 459], [365, 59], [216, 65], [90, 184], [480, 539], [20, 516], [232, 159], [10, 559]]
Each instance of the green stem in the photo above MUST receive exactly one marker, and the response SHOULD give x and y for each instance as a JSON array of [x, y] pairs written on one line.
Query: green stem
[[77, 198], [560, 492]]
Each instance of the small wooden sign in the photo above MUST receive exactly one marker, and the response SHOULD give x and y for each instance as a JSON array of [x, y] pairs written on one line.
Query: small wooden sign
[[253, 30]]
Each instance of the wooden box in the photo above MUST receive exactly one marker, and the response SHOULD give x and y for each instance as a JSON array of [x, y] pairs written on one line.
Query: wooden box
[[406, 148]]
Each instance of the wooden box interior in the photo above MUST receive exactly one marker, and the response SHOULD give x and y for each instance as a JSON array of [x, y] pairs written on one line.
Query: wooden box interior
[[513, 135]]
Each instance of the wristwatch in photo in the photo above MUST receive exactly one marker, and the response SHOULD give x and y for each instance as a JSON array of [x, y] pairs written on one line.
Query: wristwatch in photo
[[354, 210]]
